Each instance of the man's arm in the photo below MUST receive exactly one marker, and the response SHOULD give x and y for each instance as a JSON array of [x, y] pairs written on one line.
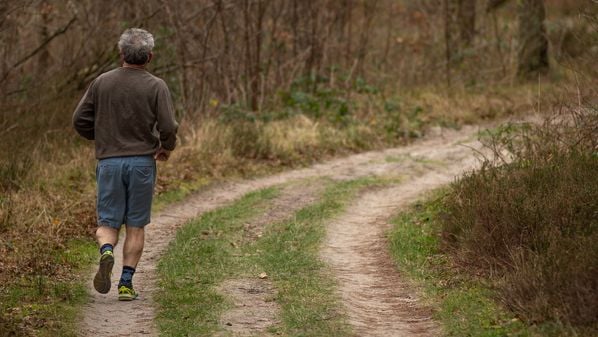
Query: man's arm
[[167, 125], [84, 115]]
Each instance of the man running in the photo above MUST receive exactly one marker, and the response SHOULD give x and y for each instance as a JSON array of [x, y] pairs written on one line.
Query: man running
[[129, 114]]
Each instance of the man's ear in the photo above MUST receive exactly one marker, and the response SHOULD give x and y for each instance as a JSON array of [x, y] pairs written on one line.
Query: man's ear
[[150, 56]]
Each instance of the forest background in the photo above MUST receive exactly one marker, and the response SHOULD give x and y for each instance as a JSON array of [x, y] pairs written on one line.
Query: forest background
[[259, 86]]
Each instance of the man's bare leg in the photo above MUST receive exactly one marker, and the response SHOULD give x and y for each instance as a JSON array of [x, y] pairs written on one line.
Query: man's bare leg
[[131, 254], [106, 234], [133, 246]]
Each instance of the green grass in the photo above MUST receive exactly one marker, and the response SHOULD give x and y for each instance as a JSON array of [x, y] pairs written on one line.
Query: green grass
[[200, 257], [211, 249], [52, 302], [466, 306], [290, 256]]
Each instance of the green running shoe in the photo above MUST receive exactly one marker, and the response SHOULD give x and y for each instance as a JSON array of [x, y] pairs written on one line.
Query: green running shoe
[[126, 294], [101, 282]]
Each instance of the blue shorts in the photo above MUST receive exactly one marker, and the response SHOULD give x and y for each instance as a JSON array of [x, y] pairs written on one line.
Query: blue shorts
[[125, 190]]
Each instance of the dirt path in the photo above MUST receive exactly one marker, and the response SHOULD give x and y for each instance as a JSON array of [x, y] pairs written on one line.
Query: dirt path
[[378, 301], [434, 161]]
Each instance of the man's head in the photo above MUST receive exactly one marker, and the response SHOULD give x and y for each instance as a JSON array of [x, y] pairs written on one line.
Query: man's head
[[135, 46]]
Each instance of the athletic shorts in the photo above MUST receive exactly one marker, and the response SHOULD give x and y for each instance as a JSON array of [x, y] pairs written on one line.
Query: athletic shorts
[[125, 190]]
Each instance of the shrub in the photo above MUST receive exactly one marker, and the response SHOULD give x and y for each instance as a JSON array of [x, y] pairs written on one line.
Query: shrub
[[530, 216]]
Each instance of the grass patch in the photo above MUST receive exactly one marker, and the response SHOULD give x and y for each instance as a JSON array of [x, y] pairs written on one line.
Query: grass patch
[[46, 304], [211, 249], [466, 304], [46, 173], [290, 256]]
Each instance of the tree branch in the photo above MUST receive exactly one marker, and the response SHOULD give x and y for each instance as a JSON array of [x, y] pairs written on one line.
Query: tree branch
[[46, 41], [39, 48], [494, 4]]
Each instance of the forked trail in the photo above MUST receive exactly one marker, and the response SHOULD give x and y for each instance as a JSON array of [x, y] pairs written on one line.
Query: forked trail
[[377, 301]]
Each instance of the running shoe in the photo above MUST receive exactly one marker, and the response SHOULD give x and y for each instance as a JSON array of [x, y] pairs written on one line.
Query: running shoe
[[126, 293], [101, 282]]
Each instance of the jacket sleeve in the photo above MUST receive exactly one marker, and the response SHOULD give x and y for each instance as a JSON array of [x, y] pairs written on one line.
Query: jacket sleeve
[[84, 115], [166, 123]]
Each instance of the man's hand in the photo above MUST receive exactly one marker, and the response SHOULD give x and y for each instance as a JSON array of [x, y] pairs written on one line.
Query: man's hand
[[162, 155]]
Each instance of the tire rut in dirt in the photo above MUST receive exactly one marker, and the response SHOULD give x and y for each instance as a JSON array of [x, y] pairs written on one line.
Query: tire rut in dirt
[[378, 301]]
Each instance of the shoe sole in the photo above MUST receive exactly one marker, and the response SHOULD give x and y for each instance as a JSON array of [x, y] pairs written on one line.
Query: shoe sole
[[101, 282], [127, 297]]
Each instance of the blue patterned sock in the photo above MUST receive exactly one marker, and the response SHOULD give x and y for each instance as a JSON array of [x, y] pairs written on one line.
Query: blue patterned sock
[[126, 278], [106, 247]]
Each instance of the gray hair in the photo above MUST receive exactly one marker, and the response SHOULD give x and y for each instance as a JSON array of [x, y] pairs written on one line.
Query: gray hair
[[135, 45]]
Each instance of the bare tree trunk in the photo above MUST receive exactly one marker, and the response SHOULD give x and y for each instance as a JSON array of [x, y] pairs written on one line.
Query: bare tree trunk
[[466, 17], [447, 42], [224, 67], [43, 58], [369, 11], [389, 30], [497, 41], [266, 82], [257, 65], [181, 51], [533, 44], [314, 49], [295, 28], [348, 7], [248, 58]]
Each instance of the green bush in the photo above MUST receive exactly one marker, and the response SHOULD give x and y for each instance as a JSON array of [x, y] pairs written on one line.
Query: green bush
[[312, 97]]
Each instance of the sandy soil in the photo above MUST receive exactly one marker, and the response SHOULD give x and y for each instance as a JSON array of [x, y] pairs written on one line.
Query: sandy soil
[[378, 302]]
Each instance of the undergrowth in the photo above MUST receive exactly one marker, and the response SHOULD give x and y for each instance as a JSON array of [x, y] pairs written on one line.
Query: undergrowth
[[47, 172], [465, 303], [528, 220], [36, 305]]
